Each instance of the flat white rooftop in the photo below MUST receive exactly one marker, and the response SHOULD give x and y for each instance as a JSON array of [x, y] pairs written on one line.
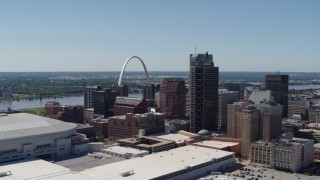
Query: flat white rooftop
[[22, 125], [38, 169], [216, 144], [124, 150], [147, 167], [157, 164], [178, 138]]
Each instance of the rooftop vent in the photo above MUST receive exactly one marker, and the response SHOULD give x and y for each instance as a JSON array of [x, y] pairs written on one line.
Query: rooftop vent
[[3, 114], [127, 173]]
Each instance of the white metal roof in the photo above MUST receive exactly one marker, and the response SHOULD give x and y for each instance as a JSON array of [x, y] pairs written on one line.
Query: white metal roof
[[157, 164], [21, 125], [216, 144], [38, 169], [146, 167]]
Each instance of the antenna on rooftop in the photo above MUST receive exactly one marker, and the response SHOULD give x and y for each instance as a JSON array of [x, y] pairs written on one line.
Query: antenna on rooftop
[[195, 50]]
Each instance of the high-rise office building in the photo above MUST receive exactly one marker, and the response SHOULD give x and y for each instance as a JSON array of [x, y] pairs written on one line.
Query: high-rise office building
[[173, 97], [149, 92], [278, 84], [122, 90], [203, 86], [270, 120], [234, 118], [225, 98], [88, 96], [103, 102], [250, 128]]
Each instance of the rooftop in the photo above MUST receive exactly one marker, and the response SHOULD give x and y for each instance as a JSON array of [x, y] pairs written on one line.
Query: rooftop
[[178, 138], [157, 164], [216, 144], [124, 150], [156, 141], [146, 167], [22, 125], [264, 105]]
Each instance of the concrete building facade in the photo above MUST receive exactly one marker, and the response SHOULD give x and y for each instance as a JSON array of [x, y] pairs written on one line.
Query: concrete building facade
[[250, 128], [288, 154], [234, 118], [271, 120], [225, 98]]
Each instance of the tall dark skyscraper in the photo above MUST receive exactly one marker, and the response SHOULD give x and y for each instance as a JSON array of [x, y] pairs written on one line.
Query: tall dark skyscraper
[[278, 84], [203, 86]]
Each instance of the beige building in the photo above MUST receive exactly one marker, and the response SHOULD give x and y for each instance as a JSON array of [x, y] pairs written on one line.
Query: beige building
[[233, 118], [297, 107], [288, 154], [250, 124], [225, 98], [271, 120], [314, 115]]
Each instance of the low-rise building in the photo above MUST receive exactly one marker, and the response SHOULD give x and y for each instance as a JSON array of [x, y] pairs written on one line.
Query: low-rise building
[[148, 143], [220, 145], [124, 105], [181, 138], [129, 125], [124, 152], [288, 154]]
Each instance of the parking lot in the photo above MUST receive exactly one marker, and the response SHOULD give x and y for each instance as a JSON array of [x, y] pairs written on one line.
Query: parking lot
[[81, 163], [256, 173]]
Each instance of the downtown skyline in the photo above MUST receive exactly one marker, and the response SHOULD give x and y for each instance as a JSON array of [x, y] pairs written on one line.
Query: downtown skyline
[[81, 36]]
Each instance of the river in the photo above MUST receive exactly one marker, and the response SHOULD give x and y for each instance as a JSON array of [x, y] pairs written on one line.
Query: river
[[78, 100], [40, 103]]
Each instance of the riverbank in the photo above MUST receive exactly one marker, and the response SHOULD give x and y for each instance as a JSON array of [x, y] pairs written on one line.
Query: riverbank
[[20, 97]]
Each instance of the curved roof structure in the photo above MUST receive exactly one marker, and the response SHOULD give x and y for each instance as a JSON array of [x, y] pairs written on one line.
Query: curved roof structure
[[204, 132], [22, 125]]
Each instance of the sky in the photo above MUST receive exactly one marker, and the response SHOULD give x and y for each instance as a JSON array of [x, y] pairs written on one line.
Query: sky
[[99, 35]]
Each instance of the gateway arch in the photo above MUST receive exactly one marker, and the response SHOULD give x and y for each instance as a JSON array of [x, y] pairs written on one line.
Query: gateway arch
[[125, 65]]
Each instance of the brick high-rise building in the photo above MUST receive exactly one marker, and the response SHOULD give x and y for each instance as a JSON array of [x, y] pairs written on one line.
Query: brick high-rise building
[[173, 97], [71, 114], [250, 127], [234, 118], [124, 105], [225, 98], [129, 125], [51, 109], [279, 85], [203, 86]]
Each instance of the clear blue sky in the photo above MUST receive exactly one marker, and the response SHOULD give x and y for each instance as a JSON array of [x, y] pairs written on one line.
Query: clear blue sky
[[99, 35]]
